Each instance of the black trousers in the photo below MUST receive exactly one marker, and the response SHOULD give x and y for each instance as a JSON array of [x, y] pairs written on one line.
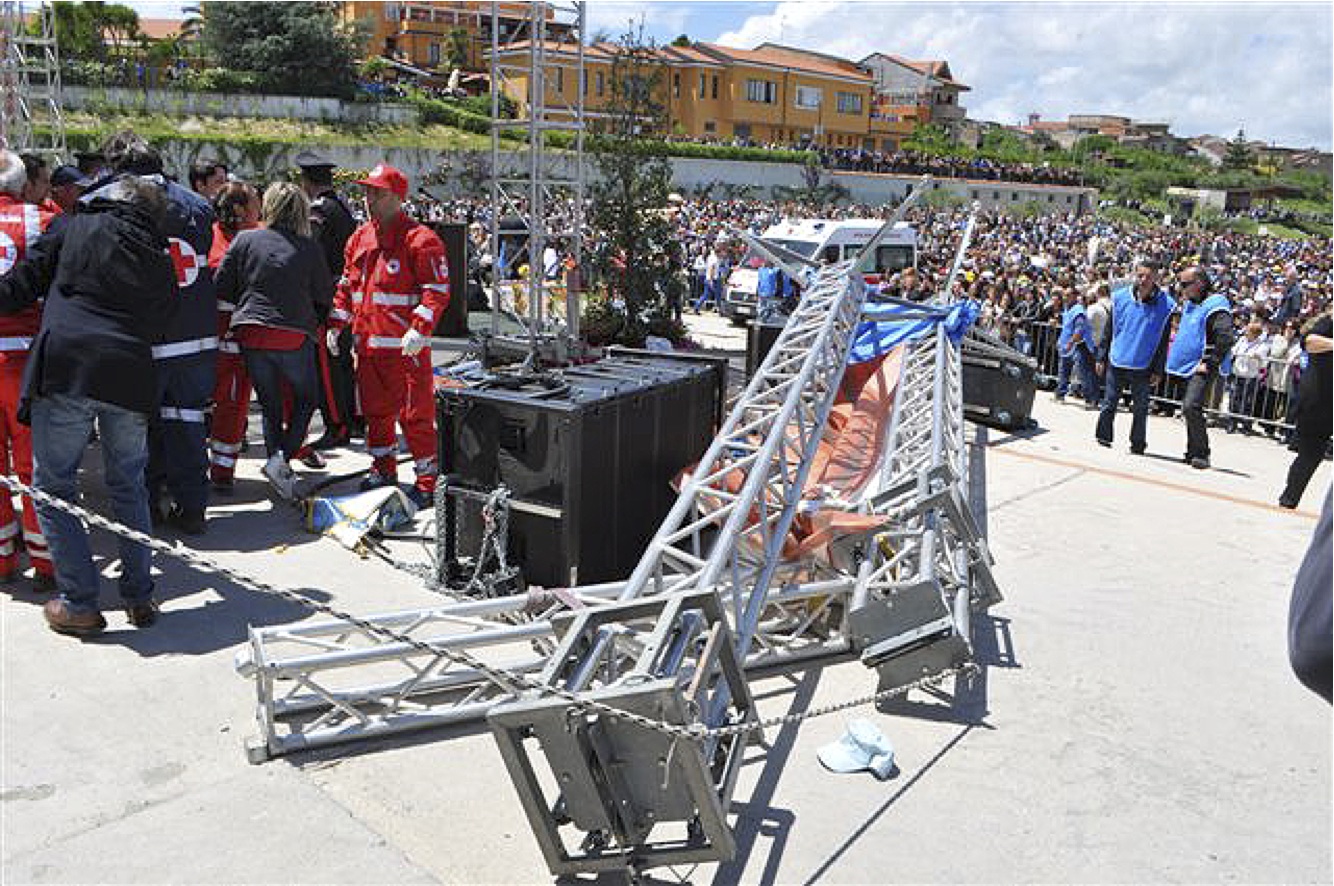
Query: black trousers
[[1310, 452], [1192, 407]]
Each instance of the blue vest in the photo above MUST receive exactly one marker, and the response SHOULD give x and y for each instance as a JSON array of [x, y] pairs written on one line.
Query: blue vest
[[768, 283], [1137, 327], [1188, 347], [1074, 321]]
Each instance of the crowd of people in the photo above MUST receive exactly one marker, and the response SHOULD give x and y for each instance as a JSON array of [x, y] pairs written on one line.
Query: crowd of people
[[917, 163], [141, 312]]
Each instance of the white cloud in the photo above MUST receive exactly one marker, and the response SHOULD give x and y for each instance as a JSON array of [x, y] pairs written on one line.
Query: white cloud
[[614, 18], [1201, 67]]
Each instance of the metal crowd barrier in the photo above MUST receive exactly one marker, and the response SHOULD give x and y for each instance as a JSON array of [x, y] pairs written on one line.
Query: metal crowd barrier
[[1263, 403]]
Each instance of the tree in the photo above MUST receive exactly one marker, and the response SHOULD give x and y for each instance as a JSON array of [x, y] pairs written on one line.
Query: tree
[[85, 29], [636, 257], [1238, 155], [681, 40], [457, 48], [293, 47]]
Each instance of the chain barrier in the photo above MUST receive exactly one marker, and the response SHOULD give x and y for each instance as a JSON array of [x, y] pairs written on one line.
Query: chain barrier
[[514, 682]]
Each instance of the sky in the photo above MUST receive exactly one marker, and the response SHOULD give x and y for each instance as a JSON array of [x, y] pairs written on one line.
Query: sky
[[1211, 68]]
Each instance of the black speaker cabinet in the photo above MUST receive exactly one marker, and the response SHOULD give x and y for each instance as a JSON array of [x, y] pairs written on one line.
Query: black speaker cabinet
[[588, 455], [454, 324]]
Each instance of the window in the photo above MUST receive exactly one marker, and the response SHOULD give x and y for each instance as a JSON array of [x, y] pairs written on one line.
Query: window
[[601, 83], [583, 82], [391, 12], [560, 79], [433, 53], [676, 85], [701, 85], [1014, 195], [808, 97], [995, 195], [710, 126], [763, 91], [715, 85], [849, 103], [741, 130]]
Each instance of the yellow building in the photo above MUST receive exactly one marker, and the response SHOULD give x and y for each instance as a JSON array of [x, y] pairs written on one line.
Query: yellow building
[[437, 35], [763, 96]]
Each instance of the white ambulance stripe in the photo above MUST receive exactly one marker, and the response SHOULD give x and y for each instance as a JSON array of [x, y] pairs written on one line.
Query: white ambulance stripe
[[16, 343], [9, 530], [339, 314], [381, 451], [35, 555], [384, 341], [7, 549], [425, 465], [425, 313], [222, 461], [394, 299], [34, 538], [437, 287], [229, 448], [171, 413], [225, 307], [185, 348]]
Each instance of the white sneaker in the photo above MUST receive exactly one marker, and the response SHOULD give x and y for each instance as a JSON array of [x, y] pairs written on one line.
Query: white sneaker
[[280, 475]]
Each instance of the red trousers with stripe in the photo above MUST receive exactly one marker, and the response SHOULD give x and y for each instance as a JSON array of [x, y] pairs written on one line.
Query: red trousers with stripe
[[16, 459], [231, 407], [398, 391]]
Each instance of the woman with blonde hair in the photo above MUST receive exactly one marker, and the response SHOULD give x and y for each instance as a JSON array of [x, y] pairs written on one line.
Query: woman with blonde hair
[[278, 279]]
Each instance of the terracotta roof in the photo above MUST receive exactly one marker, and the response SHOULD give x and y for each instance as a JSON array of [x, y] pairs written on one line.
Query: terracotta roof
[[690, 54], [776, 58], [939, 70]]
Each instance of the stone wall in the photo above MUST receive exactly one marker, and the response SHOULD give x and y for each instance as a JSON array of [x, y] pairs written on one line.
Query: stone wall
[[224, 104]]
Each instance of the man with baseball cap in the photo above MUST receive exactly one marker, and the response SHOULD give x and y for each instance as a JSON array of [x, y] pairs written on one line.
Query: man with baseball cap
[[395, 286], [331, 224]]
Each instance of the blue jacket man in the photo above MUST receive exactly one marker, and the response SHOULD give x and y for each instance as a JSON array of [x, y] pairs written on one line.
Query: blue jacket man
[[1204, 337], [1074, 348], [186, 353], [1135, 351]]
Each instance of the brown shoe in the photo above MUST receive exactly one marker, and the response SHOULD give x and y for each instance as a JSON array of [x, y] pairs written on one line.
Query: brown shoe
[[142, 615], [77, 624]]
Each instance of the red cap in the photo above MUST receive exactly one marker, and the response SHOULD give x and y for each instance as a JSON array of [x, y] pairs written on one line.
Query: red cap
[[389, 178]]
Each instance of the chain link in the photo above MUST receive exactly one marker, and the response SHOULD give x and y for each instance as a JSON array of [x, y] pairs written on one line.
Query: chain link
[[514, 682]]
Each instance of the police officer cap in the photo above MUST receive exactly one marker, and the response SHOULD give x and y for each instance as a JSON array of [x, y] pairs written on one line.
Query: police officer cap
[[311, 160]]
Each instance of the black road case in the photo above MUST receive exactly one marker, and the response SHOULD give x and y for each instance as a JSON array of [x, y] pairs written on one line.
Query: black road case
[[999, 383]]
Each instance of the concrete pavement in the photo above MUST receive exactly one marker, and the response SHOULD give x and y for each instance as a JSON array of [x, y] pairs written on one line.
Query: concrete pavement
[[1135, 719]]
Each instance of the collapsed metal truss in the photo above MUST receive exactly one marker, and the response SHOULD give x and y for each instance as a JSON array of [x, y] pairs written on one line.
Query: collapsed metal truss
[[526, 61], [713, 596], [30, 103]]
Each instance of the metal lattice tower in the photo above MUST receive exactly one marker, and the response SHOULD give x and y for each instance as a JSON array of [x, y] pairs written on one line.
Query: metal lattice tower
[[539, 49], [30, 100]]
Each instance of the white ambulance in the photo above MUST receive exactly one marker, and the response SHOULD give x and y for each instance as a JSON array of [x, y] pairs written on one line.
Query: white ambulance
[[826, 241]]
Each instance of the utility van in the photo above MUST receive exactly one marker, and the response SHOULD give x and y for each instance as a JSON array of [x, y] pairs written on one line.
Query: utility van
[[826, 241]]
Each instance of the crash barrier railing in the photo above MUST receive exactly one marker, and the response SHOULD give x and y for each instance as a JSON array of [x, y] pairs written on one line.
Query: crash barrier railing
[[1262, 401], [712, 596]]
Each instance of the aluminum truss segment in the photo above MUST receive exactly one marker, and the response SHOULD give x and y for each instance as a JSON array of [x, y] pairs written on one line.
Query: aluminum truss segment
[[30, 96], [540, 47]]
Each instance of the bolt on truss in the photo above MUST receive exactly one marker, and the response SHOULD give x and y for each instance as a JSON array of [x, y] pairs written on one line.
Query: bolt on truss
[[530, 59], [30, 103]]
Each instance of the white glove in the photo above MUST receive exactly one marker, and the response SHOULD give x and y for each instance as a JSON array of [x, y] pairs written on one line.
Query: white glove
[[331, 341], [413, 342]]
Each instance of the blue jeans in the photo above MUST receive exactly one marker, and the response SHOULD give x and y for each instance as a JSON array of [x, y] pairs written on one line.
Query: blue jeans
[[271, 372], [61, 427], [1115, 383], [712, 292], [1088, 381]]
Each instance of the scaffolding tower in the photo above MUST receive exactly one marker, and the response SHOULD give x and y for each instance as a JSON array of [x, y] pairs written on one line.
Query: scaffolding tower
[[530, 54], [30, 99]]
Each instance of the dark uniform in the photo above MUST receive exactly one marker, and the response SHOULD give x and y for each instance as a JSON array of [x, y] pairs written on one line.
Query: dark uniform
[[331, 225]]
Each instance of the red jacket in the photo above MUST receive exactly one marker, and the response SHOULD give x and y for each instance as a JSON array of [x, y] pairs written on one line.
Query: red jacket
[[394, 277], [20, 226]]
